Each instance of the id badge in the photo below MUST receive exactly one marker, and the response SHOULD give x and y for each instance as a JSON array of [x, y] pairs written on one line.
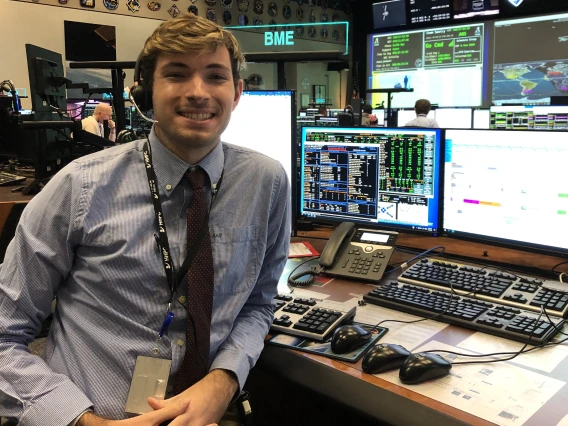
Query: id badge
[[150, 378]]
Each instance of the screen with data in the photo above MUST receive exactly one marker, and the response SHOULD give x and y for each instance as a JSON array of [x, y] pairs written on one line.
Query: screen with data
[[443, 65], [376, 176], [529, 117], [431, 11], [530, 60], [507, 187]]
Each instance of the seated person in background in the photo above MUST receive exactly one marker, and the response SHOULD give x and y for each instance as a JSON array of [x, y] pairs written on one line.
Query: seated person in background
[[422, 108], [322, 111], [367, 111], [94, 123]]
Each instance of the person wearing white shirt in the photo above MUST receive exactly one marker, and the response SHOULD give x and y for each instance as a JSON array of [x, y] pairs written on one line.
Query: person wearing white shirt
[[94, 123], [422, 108]]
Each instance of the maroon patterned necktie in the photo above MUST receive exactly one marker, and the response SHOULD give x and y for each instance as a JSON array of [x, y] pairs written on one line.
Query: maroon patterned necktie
[[199, 300]]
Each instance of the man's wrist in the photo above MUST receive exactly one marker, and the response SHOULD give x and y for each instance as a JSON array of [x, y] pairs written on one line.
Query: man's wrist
[[88, 418], [227, 380]]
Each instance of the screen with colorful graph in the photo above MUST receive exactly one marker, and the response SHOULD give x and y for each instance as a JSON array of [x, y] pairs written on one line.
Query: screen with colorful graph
[[507, 187]]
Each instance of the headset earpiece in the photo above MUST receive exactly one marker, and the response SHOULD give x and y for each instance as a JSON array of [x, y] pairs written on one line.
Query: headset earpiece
[[141, 94]]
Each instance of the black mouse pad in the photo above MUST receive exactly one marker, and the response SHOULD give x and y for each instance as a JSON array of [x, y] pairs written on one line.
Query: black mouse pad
[[324, 348]]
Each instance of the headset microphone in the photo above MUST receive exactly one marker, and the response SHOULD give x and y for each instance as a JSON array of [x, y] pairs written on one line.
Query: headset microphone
[[138, 109]]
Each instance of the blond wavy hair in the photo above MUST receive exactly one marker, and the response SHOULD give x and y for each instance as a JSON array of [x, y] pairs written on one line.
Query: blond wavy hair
[[188, 34]]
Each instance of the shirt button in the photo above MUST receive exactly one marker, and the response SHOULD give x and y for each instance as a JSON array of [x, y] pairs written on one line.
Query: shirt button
[[180, 342], [170, 388], [181, 299], [168, 187]]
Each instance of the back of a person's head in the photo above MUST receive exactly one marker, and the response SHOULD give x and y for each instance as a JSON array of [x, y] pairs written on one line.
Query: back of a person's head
[[322, 110], [188, 34], [368, 108], [422, 106]]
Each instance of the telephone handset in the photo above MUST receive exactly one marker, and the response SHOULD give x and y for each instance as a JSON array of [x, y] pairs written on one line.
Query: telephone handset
[[331, 250], [352, 252]]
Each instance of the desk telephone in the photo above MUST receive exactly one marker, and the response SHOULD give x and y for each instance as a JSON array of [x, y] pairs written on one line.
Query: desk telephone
[[351, 252]]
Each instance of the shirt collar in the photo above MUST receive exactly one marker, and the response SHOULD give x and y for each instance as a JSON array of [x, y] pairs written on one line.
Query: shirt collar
[[170, 168]]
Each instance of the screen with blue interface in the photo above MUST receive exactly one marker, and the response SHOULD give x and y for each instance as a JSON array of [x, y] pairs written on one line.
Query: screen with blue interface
[[385, 177], [507, 187]]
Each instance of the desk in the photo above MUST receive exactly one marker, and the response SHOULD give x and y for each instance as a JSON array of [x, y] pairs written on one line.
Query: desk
[[383, 398]]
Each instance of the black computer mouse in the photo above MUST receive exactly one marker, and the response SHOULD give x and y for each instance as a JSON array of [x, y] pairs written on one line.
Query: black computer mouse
[[423, 366], [384, 357], [348, 338]]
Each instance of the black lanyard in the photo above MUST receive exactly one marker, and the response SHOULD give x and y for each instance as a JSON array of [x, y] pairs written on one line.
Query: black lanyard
[[162, 236]]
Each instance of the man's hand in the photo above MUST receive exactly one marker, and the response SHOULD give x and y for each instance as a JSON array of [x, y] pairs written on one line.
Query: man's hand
[[111, 125], [153, 418], [209, 399]]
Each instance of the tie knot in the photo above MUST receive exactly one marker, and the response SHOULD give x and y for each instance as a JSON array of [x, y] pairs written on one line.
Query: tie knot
[[196, 178]]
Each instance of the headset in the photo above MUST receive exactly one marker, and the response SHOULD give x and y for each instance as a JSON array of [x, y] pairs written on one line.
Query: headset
[[140, 95]]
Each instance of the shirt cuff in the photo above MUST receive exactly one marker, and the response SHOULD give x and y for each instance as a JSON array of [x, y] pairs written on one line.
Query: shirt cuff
[[233, 361], [74, 422], [61, 406]]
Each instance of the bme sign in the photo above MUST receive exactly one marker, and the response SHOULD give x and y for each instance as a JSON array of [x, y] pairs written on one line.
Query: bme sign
[[279, 38]]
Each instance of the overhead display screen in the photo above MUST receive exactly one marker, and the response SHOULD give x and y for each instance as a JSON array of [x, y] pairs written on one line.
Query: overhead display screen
[[429, 11], [390, 13], [531, 60], [444, 65], [472, 8], [511, 8]]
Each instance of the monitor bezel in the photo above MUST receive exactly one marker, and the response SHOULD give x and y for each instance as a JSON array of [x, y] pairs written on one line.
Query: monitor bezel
[[379, 225], [501, 242]]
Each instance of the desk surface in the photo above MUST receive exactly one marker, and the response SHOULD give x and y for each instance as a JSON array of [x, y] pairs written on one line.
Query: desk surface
[[460, 399]]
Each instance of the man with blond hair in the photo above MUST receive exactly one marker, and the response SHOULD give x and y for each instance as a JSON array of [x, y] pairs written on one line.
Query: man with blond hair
[[108, 236], [94, 123]]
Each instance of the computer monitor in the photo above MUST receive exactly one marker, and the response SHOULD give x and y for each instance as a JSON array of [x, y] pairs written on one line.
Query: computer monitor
[[380, 114], [384, 178], [481, 119], [389, 13], [406, 115], [321, 120], [332, 112], [264, 121], [454, 118], [507, 187], [527, 117]]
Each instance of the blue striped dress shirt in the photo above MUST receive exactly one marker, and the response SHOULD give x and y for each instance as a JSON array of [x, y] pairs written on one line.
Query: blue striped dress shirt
[[88, 239]]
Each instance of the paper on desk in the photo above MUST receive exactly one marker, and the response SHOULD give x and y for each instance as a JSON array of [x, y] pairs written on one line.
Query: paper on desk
[[546, 359], [308, 294], [408, 335], [500, 393]]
